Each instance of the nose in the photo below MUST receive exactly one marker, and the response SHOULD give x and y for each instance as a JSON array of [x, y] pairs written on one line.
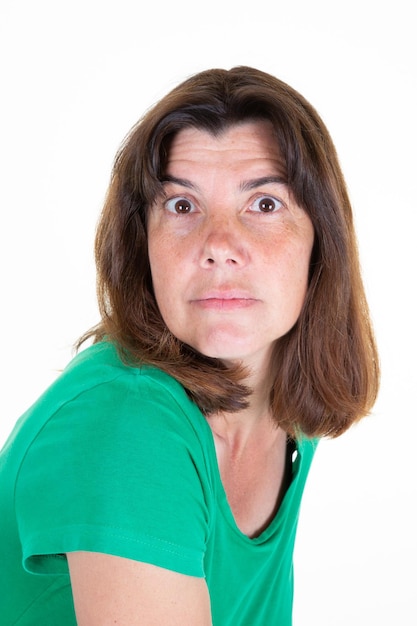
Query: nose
[[223, 245]]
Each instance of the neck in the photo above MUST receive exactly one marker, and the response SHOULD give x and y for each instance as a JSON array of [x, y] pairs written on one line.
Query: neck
[[246, 427], [238, 429]]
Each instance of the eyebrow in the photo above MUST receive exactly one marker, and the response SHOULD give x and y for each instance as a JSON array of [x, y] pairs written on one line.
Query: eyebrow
[[244, 186], [182, 182], [259, 182]]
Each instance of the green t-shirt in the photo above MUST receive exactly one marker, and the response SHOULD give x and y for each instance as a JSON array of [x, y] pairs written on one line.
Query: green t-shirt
[[119, 460]]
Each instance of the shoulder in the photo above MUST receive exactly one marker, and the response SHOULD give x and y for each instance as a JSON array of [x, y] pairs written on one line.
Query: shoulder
[[99, 403], [100, 381], [307, 445], [305, 449], [101, 365], [103, 421], [107, 452]]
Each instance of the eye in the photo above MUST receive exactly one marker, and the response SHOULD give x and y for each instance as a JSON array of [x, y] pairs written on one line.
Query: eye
[[179, 205], [266, 204]]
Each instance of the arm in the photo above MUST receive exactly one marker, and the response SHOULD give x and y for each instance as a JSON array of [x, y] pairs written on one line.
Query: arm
[[113, 590]]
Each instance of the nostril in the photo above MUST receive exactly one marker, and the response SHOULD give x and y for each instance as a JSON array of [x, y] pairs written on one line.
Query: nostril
[[211, 261], [221, 248]]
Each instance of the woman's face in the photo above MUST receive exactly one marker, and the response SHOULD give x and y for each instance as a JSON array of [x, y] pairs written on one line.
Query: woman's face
[[229, 248]]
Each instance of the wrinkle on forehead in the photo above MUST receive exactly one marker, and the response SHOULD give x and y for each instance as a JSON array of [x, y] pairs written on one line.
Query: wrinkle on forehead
[[247, 141]]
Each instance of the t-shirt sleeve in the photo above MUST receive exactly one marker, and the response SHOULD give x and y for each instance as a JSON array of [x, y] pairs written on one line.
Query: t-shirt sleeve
[[116, 469]]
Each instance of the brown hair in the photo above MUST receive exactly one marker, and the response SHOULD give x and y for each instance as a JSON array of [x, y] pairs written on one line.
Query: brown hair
[[325, 369]]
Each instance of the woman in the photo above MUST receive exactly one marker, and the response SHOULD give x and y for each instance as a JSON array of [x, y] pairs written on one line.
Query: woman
[[159, 480]]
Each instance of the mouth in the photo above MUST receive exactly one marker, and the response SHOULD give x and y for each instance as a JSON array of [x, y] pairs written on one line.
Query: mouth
[[225, 300]]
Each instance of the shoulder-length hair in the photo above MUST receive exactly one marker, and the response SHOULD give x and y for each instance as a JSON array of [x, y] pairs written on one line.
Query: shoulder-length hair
[[325, 369]]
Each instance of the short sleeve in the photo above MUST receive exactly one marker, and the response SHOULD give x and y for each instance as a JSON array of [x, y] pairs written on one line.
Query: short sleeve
[[119, 469]]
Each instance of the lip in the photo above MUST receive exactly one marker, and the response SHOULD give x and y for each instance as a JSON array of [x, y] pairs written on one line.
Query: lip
[[225, 300]]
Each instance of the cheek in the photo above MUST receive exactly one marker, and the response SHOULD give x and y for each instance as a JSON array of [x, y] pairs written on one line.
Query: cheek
[[301, 257], [293, 268], [167, 277], [157, 262], [158, 250], [301, 271]]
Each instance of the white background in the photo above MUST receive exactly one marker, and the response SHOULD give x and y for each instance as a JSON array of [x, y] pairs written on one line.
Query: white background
[[75, 76]]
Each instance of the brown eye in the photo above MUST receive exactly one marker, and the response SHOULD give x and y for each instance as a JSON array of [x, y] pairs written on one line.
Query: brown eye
[[266, 204], [179, 205]]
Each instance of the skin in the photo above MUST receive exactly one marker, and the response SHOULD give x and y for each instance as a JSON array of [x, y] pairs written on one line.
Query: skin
[[229, 252], [229, 277]]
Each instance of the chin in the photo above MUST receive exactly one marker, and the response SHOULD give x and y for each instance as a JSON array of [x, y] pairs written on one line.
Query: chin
[[232, 356], [223, 349]]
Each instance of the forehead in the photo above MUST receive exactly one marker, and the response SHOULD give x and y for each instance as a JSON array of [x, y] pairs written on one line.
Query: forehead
[[250, 143]]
